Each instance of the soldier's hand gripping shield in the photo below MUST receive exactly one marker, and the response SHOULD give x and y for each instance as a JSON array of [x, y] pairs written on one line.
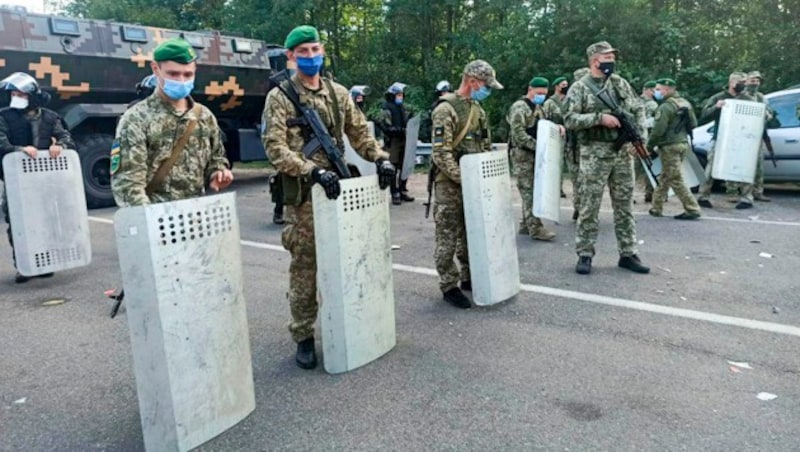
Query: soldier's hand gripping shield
[[386, 173], [491, 233], [547, 172], [354, 274], [741, 131], [181, 267], [47, 209]]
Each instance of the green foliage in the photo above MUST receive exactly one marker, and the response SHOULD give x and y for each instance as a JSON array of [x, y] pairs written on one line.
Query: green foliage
[[419, 42]]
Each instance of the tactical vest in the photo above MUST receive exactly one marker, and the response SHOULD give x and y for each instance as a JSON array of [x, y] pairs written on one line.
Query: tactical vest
[[478, 131], [600, 133], [530, 129]]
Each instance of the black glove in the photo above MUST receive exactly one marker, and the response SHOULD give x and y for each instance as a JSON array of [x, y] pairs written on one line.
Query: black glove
[[652, 153], [328, 180], [386, 172]]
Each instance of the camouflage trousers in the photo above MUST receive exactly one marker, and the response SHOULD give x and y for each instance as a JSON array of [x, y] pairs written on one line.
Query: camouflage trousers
[[671, 177], [595, 173], [523, 164], [298, 238], [746, 191], [451, 235]]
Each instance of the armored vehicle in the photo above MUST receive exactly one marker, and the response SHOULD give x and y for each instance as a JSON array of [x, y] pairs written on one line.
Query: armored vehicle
[[91, 68]]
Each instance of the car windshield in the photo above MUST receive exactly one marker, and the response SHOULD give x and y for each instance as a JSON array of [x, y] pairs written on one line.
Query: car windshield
[[786, 108]]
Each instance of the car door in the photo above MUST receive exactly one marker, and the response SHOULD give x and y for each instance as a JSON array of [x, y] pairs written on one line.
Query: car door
[[785, 139]]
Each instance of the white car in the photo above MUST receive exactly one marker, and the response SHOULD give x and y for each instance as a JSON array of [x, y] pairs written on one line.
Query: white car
[[785, 139]]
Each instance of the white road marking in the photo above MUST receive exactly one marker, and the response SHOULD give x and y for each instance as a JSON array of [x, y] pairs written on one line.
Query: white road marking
[[710, 317]]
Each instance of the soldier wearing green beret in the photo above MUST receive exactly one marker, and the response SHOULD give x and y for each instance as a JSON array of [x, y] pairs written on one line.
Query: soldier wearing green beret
[[146, 137], [523, 118], [650, 106], [674, 120], [552, 111], [601, 162], [283, 139]]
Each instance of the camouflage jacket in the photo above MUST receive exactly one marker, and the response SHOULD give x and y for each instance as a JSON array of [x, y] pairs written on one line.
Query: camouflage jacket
[[583, 111], [521, 119], [669, 127], [284, 144], [145, 137], [553, 109], [650, 106], [711, 112], [449, 119]]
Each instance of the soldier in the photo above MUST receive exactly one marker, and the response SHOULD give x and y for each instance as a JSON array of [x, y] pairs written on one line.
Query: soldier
[[358, 93], [711, 111], [460, 127], [26, 126], [144, 89], [523, 118], [650, 106], [601, 164], [284, 140], [552, 112], [393, 120], [426, 126], [674, 120], [572, 154], [275, 181], [144, 157], [756, 189]]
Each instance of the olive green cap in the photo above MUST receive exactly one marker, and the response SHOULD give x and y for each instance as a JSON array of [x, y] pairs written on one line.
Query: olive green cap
[[559, 80], [539, 82], [666, 82], [176, 49], [650, 84], [482, 70], [301, 35]]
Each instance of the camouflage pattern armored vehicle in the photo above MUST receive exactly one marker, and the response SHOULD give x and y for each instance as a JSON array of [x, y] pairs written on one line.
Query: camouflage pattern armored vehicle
[[91, 67]]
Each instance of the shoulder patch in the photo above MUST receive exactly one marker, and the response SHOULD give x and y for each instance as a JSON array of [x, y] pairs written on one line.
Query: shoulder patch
[[438, 136], [115, 157]]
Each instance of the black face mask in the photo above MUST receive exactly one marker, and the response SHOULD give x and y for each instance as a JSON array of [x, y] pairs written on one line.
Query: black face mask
[[738, 88], [607, 68], [360, 105]]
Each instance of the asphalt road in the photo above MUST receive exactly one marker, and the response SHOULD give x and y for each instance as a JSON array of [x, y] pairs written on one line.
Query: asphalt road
[[609, 361]]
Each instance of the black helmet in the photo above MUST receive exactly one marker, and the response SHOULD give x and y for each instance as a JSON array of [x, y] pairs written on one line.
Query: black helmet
[[146, 86], [24, 83]]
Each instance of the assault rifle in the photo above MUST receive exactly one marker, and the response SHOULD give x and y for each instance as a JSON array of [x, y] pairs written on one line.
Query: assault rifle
[[317, 136], [628, 133], [770, 149], [431, 181]]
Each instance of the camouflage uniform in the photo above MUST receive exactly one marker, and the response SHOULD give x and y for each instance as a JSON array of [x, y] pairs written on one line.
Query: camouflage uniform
[[711, 112], [34, 118], [553, 111], [650, 107], [145, 136], [449, 119], [748, 192], [284, 147], [523, 116], [670, 135], [601, 164]]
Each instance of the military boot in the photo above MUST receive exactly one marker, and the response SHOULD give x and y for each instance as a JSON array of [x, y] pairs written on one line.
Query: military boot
[[543, 234], [705, 203], [457, 298], [633, 264], [761, 197], [404, 192], [277, 218], [466, 285], [19, 278], [584, 266], [306, 356]]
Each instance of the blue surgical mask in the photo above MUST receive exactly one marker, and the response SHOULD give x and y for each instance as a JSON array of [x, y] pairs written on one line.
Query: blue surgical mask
[[539, 99], [291, 72], [658, 95], [310, 66], [176, 90], [398, 101], [481, 94]]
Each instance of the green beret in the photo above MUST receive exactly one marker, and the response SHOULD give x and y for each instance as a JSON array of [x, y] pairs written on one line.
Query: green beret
[[177, 50], [301, 35], [559, 80], [650, 84], [666, 82], [539, 82]]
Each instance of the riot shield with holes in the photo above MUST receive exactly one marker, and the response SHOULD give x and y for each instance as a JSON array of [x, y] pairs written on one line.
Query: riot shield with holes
[[354, 274], [410, 155], [547, 171], [741, 131], [365, 168], [181, 269], [491, 235], [47, 209]]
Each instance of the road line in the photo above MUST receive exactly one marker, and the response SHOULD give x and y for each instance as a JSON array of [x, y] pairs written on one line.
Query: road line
[[702, 316]]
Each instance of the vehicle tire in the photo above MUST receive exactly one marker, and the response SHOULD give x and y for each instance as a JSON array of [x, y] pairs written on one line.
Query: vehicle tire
[[94, 150]]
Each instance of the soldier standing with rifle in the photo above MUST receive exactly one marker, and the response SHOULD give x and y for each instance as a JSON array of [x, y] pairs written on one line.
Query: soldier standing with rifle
[[674, 121], [523, 118], [26, 126], [605, 135], [392, 122], [459, 127], [298, 117]]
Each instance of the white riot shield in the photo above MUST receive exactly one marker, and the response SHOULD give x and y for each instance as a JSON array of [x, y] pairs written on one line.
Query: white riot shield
[[352, 158], [741, 129], [694, 173], [47, 208], [182, 273], [354, 274], [547, 172], [410, 157], [491, 232]]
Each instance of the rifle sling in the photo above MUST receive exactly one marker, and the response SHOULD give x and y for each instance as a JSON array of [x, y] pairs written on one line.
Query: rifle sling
[[177, 148]]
